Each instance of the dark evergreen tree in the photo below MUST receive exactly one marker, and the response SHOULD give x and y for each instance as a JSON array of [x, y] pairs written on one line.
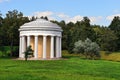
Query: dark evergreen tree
[[115, 26]]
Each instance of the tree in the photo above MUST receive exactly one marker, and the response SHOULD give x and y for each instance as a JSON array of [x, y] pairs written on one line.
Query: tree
[[106, 38], [115, 26], [28, 52], [1, 34], [11, 24], [33, 18], [1, 20], [80, 31], [88, 48], [86, 21], [44, 18], [73, 32]]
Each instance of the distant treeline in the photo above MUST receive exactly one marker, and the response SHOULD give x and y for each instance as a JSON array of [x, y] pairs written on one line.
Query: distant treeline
[[108, 37]]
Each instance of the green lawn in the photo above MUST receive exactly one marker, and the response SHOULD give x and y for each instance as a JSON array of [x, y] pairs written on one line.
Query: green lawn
[[72, 68]]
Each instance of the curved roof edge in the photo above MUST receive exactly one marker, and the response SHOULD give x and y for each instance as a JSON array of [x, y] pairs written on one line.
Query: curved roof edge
[[40, 23]]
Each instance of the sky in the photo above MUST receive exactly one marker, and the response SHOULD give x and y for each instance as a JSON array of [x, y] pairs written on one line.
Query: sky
[[100, 12]]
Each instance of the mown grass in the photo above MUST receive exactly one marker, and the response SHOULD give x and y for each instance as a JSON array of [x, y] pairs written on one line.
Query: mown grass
[[70, 68]]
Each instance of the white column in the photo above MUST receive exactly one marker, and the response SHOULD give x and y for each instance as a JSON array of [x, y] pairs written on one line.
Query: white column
[[57, 47], [52, 47], [36, 47], [20, 47], [23, 46], [44, 47], [28, 40], [60, 47]]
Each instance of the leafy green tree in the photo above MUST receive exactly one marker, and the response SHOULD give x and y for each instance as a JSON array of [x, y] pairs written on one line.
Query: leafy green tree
[[1, 20], [88, 48], [73, 32], [80, 31], [28, 52], [86, 21], [106, 38], [11, 24], [115, 26], [1, 34]]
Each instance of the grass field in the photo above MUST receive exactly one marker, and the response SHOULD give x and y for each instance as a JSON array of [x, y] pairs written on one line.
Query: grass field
[[71, 68]]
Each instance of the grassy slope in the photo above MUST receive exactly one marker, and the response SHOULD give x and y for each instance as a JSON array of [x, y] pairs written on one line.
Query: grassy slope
[[114, 56], [73, 68]]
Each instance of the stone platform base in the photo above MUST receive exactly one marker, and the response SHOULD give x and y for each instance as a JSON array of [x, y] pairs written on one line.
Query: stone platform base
[[38, 59]]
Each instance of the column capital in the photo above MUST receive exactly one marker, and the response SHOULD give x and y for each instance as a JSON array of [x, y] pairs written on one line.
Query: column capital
[[22, 35], [36, 35], [45, 35], [28, 35]]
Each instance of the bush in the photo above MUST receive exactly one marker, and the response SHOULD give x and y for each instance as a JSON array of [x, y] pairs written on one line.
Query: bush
[[2, 51], [15, 51], [28, 52], [5, 51], [89, 49]]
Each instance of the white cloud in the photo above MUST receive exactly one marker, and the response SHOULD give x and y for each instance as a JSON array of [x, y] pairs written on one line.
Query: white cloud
[[112, 16], [95, 19], [67, 18], [4, 1], [61, 16], [75, 19], [49, 14], [46, 13]]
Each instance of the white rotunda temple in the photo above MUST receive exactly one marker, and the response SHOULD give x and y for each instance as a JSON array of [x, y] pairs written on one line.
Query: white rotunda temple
[[43, 36]]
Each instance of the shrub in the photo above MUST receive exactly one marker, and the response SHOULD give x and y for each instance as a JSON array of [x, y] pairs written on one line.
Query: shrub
[[88, 48], [5, 51], [28, 52], [15, 51]]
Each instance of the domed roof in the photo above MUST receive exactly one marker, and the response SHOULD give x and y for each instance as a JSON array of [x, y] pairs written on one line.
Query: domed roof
[[40, 24]]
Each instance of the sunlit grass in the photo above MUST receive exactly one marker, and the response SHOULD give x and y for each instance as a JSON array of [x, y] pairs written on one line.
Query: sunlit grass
[[72, 67], [114, 56]]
